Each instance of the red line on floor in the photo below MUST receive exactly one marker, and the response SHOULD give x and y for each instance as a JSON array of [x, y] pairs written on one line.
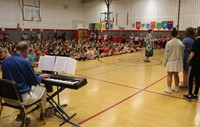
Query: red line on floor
[[116, 104], [110, 82], [108, 108]]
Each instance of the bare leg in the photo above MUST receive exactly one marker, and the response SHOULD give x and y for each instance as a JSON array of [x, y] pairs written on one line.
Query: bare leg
[[147, 58], [185, 78], [176, 79], [169, 79], [169, 82]]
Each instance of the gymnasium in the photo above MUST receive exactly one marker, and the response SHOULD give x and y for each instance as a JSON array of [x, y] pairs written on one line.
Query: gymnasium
[[99, 47]]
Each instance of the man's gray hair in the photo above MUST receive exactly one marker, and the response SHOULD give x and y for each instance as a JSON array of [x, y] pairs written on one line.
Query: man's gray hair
[[22, 45]]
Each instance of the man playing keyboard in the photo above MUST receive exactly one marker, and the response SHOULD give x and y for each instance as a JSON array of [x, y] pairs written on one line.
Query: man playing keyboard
[[17, 68]]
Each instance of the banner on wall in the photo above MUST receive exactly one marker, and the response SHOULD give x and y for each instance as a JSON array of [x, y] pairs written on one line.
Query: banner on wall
[[138, 25], [93, 26], [164, 25], [100, 26], [158, 25], [103, 26], [90, 26], [153, 25], [169, 25], [111, 25], [107, 26], [147, 26], [96, 26], [142, 26]]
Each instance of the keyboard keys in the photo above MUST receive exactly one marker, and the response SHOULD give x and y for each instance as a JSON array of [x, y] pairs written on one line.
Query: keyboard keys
[[61, 81]]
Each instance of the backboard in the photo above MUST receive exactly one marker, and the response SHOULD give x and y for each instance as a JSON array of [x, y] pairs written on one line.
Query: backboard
[[107, 17]]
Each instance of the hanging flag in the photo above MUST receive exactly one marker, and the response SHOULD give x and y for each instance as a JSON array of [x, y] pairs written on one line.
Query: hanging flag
[[164, 25], [147, 26], [143, 26], [158, 25], [138, 25], [103, 26], [93, 26], [111, 25], [100, 25], [133, 24], [107, 26], [153, 25], [90, 26], [96, 26], [169, 25]]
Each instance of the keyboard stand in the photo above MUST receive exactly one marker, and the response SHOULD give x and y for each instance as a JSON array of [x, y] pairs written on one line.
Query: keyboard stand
[[58, 108]]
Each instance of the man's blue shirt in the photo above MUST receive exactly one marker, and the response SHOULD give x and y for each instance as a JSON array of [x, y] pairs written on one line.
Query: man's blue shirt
[[20, 70]]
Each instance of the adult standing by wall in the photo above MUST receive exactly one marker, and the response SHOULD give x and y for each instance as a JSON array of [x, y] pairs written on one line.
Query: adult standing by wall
[[173, 60], [188, 42], [194, 69]]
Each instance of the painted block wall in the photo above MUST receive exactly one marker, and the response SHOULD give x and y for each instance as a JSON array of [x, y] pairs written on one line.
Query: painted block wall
[[54, 15], [146, 11], [78, 15]]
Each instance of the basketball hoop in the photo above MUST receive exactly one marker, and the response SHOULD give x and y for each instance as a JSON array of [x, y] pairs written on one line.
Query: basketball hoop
[[106, 17]]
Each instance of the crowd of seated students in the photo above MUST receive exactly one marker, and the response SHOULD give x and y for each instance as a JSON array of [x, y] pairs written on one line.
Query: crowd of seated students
[[82, 49], [4, 36], [161, 42], [139, 39], [79, 50]]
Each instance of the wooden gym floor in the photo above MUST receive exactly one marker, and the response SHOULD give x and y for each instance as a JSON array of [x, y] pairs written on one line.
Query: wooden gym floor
[[122, 91]]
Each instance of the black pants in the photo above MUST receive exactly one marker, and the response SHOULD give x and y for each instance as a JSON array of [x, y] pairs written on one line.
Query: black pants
[[49, 88], [194, 72]]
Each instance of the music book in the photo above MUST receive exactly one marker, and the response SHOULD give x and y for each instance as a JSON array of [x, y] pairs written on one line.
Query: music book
[[58, 64]]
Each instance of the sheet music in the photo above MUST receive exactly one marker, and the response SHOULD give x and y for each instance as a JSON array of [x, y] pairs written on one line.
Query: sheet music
[[46, 63], [57, 64], [70, 66], [60, 63]]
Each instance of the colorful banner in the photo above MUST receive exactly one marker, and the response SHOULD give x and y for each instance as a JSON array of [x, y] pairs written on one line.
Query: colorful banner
[[100, 26], [93, 26], [147, 26], [158, 25], [143, 26], [169, 25], [111, 25], [107, 26], [90, 26], [103, 26], [164, 25], [153, 25], [138, 25], [96, 26]]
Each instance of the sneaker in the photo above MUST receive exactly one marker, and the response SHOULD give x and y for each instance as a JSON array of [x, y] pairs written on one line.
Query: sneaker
[[187, 97], [195, 97], [20, 118], [49, 112], [168, 90], [183, 87], [175, 89], [144, 60]]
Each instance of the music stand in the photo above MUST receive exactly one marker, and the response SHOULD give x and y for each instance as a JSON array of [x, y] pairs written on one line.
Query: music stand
[[56, 105]]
